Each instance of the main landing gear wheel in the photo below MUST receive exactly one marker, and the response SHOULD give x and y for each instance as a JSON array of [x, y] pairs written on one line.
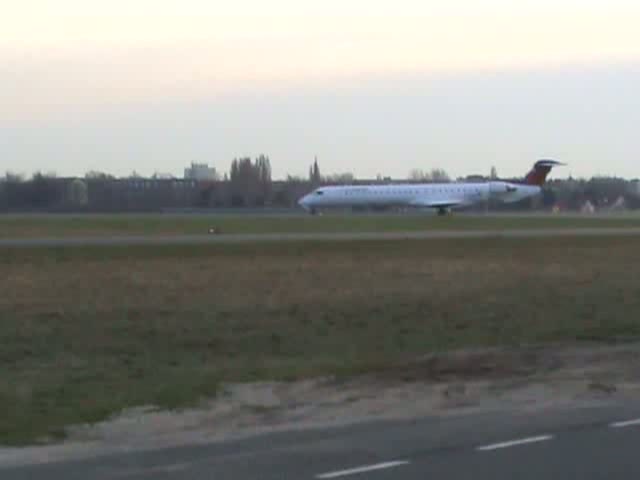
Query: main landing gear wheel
[[443, 211]]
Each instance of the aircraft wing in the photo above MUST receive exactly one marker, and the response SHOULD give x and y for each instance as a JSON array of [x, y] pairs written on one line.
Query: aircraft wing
[[430, 203]]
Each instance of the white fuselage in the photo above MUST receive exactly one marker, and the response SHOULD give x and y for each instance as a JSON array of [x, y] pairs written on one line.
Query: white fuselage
[[424, 195]]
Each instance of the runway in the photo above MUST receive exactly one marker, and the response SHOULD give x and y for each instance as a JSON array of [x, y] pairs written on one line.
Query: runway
[[204, 239], [590, 443]]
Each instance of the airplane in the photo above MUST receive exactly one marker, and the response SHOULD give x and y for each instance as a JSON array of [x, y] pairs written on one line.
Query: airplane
[[440, 196]]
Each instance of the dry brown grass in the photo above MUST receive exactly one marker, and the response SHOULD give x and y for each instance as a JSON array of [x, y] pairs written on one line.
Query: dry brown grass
[[86, 332]]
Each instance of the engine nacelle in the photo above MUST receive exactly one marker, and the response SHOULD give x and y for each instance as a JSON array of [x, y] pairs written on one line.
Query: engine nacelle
[[500, 188], [512, 192]]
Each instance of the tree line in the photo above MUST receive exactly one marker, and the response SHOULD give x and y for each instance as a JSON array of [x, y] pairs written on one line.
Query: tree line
[[249, 183]]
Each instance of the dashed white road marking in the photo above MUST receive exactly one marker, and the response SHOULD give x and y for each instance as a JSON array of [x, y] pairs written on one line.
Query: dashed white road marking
[[626, 423], [514, 443], [362, 469]]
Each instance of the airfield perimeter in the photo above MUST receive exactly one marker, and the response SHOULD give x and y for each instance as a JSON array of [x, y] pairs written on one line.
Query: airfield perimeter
[[91, 330]]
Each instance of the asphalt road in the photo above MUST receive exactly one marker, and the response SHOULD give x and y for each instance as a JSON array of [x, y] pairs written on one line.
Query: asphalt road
[[280, 237], [599, 442]]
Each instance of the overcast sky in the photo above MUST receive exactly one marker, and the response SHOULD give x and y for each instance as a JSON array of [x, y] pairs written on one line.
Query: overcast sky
[[372, 87]]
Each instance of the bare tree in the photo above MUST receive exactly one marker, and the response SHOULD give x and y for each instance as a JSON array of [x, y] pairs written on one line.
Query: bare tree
[[343, 178], [250, 181], [435, 175], [419, 175], [12, 177], [439, 175], [314, 173], [263, 170], [97, 175], [295, 179], [162, 176]]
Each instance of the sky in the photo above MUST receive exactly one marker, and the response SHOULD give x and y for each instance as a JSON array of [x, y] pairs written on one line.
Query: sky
[[369, 87]]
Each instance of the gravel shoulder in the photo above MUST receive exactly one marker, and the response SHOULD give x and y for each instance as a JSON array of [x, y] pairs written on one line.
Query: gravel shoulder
[[449, 384]]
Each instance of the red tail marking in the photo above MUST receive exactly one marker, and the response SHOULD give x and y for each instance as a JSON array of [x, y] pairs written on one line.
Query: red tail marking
[[539, 172], [537, 175]]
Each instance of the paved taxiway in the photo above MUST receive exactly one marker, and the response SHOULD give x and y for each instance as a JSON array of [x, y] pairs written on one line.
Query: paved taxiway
[[595, 442], [204, 239]]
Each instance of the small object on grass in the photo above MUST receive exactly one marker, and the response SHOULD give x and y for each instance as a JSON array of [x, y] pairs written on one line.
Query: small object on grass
[[602, 387]]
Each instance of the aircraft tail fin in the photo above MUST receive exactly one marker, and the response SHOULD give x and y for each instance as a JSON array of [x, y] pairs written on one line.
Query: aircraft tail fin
[[539, 172]]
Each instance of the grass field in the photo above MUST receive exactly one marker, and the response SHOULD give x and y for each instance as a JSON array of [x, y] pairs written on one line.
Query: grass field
[[86, 332], [81, 225]]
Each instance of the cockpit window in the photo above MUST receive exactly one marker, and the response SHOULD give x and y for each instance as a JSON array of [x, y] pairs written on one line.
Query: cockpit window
[[319, 192]]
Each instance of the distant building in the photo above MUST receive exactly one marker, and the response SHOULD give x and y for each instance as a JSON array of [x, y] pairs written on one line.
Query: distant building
[[141, 194], [200, 171]]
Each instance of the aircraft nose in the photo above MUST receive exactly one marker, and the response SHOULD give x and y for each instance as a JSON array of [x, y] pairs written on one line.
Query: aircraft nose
[[304, 202]]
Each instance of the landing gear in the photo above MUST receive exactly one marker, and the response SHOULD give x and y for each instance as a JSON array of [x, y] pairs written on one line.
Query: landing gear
[[443, 212]]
